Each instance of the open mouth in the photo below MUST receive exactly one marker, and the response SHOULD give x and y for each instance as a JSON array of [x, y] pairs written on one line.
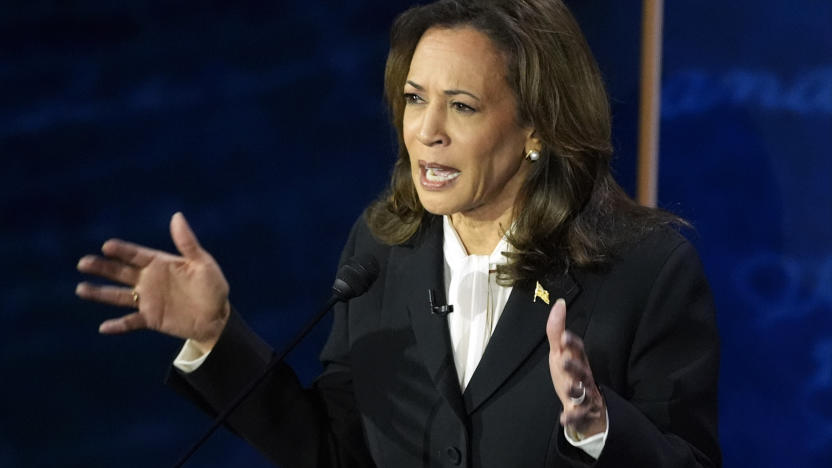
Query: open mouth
[[436, 176]]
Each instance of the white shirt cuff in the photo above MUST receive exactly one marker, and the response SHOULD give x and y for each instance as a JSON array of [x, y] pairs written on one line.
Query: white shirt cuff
[[592, 445], [189, 358]]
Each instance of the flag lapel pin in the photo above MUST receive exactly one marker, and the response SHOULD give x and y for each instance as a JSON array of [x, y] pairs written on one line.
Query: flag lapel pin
[[541, 293]]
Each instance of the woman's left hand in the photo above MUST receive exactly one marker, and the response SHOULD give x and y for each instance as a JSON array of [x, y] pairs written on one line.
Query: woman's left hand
[[584, 411]]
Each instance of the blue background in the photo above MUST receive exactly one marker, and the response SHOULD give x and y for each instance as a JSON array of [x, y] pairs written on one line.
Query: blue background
[[264, 123]]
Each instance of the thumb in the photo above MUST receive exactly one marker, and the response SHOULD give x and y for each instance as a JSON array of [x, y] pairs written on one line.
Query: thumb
[[184, 238], [556, 324]]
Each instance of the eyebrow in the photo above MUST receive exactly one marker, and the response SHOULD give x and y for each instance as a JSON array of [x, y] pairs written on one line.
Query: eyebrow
[[448, 92]]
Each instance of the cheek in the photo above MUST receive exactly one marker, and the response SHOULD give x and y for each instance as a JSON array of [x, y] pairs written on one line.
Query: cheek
[[501, 166], [408, 127], [492, 158]]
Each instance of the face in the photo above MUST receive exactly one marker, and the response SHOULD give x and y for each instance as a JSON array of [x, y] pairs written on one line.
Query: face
[[461, 127]]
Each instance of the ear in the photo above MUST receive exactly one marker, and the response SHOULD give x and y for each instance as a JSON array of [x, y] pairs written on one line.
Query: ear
[[532, 142]]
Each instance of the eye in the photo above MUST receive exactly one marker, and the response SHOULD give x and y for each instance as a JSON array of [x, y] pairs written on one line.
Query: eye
[[412, 98], [463, 108]]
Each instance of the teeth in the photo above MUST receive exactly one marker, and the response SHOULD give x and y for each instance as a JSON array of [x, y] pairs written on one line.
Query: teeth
[[434, 175]]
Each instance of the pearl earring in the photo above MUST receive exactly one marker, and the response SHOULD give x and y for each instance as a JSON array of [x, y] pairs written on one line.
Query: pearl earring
[[533, 155]]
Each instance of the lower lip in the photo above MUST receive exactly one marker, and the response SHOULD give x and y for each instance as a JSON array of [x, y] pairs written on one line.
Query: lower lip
[[435, 186]]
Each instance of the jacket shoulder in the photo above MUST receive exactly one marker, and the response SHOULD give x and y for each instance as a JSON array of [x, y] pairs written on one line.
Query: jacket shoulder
[[638, 267], [655, 248]]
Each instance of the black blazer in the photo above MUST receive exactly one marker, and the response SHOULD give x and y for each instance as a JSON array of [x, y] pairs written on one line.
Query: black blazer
[[389, 394]]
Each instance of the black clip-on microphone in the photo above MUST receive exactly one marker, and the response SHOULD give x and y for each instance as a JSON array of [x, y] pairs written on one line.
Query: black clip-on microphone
[[353, 279], [438, 309]]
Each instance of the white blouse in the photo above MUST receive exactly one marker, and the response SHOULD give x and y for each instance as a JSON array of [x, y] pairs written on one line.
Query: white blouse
[[471, 286]]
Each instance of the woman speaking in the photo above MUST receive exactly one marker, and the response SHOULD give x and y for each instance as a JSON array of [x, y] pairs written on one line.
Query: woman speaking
[[582, 329]]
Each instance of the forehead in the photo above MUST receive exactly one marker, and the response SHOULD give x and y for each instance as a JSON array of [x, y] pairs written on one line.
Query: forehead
[[459, 56]]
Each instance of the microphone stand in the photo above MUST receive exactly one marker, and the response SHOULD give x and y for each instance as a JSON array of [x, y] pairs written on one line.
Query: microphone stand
[[277, 359], [353, 279]]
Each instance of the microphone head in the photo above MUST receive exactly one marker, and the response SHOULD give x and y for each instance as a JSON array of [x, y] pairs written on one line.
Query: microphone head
[[355, 277]]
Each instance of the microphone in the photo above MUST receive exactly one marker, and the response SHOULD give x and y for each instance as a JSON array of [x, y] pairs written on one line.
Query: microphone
[[442, 310], [354, 278]]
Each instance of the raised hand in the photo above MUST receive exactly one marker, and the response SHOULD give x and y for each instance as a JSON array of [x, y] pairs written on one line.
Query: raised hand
[[584, 410], [184, 296]]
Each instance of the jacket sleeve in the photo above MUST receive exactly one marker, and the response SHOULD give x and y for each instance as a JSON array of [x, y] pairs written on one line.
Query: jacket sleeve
[[667, 414], [290, 425]]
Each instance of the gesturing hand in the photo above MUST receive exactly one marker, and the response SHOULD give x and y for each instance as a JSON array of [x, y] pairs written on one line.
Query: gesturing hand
[[584, 410], [184, 296]]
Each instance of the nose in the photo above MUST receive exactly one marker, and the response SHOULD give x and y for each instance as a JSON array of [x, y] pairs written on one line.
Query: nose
[[432, 126]]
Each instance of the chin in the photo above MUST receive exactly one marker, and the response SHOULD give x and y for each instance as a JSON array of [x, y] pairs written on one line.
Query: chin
[[436, 204]]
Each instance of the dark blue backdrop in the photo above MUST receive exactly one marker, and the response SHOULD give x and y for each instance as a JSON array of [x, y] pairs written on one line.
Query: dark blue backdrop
[[264, 123]]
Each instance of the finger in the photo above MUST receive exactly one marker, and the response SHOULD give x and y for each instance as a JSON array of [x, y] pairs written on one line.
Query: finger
[[556, 323], [577, 389], [184, 238], [574, 417], [577, 370], [578, 417], [112, 295], [123, 324], [130, 253], [111, 269], [573, 343]]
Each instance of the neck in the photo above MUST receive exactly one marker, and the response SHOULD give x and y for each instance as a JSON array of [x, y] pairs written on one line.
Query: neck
[[480, 233]]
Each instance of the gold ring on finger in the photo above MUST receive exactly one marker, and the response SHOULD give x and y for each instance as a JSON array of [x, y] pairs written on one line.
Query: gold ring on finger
[[135, 296]]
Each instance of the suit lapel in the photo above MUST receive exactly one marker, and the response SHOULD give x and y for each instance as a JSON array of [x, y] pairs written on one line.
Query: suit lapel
[[418, 266], [521, 328]]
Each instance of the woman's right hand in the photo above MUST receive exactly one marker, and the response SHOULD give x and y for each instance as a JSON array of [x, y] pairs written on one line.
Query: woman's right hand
[[184, 296]]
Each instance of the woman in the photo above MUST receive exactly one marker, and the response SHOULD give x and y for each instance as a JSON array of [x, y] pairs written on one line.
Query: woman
[[501, 202]]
